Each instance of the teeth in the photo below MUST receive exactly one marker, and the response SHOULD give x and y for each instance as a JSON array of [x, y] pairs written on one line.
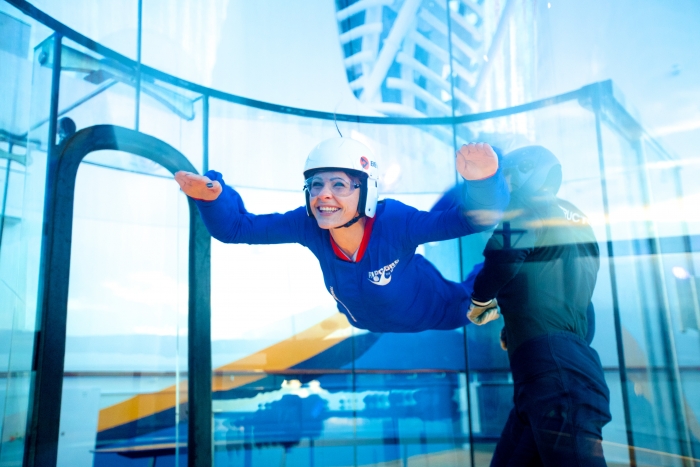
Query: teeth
[[328, 209]]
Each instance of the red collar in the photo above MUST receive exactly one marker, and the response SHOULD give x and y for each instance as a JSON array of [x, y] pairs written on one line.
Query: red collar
[[363, 245]]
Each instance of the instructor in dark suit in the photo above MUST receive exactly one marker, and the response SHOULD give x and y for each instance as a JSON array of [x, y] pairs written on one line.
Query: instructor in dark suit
[[540, 268]]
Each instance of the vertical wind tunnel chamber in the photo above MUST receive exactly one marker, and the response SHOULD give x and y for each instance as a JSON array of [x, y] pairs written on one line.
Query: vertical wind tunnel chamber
[[129, 337]]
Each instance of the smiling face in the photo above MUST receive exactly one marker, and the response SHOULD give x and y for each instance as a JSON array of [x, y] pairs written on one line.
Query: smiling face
[[330, 209]]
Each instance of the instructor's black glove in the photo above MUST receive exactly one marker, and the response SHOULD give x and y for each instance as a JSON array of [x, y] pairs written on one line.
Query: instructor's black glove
[[481, 313]]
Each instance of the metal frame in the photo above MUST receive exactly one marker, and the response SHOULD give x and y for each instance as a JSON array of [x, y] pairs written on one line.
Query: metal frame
[[607, 108], [42, 445], [45, 414], [465, 329], [596, 103], [137, 76], [135, 67], [10, 158]]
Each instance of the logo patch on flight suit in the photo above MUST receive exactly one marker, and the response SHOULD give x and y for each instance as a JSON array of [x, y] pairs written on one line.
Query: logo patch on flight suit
[[573, 216], [382, 276]]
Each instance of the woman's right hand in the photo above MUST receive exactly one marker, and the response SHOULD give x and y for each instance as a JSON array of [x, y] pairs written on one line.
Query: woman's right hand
[[476, 161], [195, 186]]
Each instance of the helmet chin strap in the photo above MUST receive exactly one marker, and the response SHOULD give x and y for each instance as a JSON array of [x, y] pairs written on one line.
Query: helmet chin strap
[[350, 222]]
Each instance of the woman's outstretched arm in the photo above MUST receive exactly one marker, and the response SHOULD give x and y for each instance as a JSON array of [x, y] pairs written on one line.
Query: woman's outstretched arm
[[485, 194], [227, 219], [473, 206]]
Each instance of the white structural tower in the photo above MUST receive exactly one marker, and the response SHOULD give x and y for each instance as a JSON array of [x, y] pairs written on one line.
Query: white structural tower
[[411, 57]]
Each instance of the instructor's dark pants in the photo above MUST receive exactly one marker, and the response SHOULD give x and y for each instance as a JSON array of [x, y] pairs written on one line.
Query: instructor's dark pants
[[561, 405]]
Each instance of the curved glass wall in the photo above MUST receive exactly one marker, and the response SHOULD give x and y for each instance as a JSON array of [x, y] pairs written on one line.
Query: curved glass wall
[[292, 382]]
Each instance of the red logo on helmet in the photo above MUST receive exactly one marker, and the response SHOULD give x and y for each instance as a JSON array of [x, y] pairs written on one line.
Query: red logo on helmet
[[364, 162]]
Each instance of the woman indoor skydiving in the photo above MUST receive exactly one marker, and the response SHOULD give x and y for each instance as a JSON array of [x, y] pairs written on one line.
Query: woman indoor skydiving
[[366, 248]]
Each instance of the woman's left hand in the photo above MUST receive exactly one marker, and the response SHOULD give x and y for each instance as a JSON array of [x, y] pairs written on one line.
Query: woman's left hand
[[476, 161]]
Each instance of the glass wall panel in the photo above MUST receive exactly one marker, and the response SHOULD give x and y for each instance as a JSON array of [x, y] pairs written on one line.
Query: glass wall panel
[[292, 344], [568, 131], [25, 94], [659, 411], [643, 315], [654, 397], [94, 90], [670, 195], [125, 380], [174, 115], [172, 39], [253, 37], [113, 24]]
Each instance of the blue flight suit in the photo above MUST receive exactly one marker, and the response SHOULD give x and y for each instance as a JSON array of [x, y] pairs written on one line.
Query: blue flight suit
[[391, 288]]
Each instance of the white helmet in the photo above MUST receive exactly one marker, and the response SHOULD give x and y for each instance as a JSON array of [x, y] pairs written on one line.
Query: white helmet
[[347, 155]]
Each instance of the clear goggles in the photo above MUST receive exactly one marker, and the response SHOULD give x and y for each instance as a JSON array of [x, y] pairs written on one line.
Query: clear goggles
[[339, 186]]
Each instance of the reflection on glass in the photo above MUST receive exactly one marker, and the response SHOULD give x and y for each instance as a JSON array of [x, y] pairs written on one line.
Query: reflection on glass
[[328, 419]]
